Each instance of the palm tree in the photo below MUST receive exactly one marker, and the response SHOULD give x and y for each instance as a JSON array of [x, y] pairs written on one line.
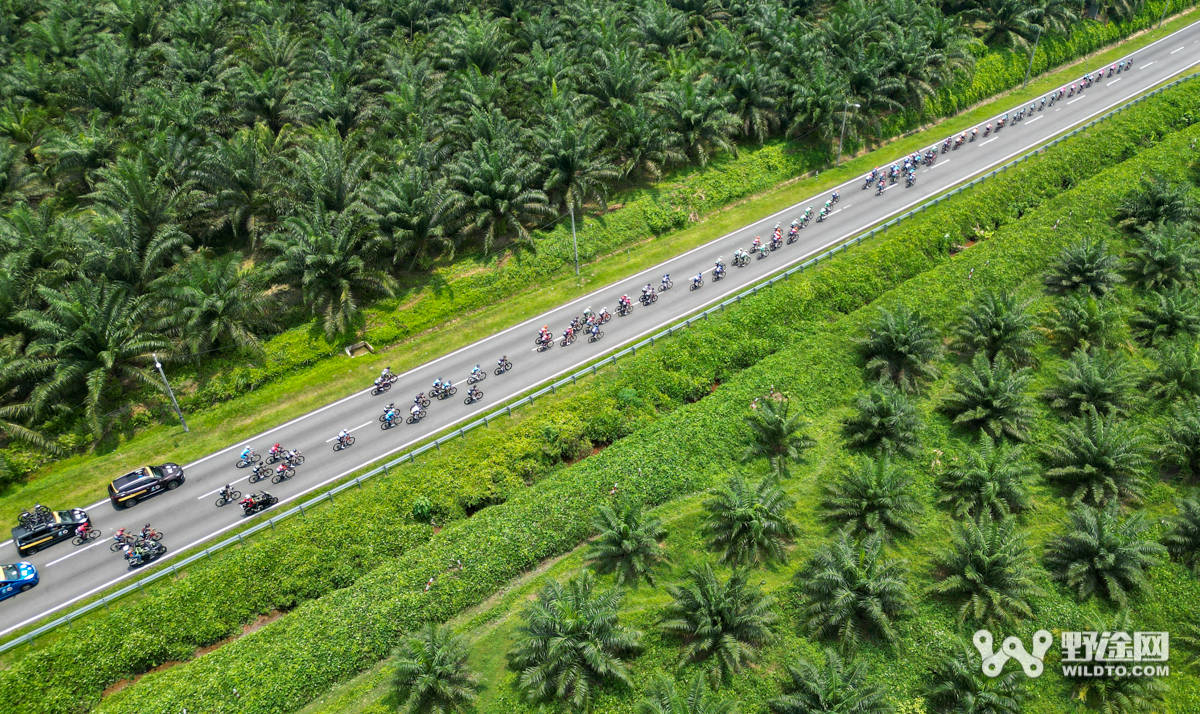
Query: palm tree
[[991, 480], [431, 672], [748, 525], [1167, 314], [1119, 695], [1081, 321], [1104, 555], [884, 420], [991, 397], [997, 323], [777, 434], [90, 338], [664, 698], [833, 688], [873, 498], [1085, 267], [756, 88], [1101, 458], [900, 347], [1179, 441], [240, 174], [721, 623], [959, 687], [1177, 374], [329, 259], [571, 642], [1183, 539], [211, 303], [988, 567], [577, 173], [852, 591], [1008, 23], [628, 545], [1099, 380], [1158, 201], [403, 205], [697, 113], [1164, 256], [330, 171], [643, 145]]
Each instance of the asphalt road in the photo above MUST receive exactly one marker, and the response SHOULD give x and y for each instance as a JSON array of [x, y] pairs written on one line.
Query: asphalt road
[[188, 516]]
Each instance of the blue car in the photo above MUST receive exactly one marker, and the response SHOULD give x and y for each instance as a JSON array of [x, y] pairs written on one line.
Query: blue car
[[17, 578]]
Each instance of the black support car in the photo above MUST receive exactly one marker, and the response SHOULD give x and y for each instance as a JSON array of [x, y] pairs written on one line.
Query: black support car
[[125, 491], [59, 526]]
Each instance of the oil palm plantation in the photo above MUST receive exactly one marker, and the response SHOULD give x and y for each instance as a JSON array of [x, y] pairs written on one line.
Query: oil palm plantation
[[722, 624], [991, 397], [664, 697], [1178, 443], [431, 675], [900, 347], [1183, 538], [883, 420], [1165, 256], [1086, 267], [1176, 376], [833, 687], [1104, 555], [1082, 321], [1158, 201], [1101, 459], [214, 303], [571, 642], [987, 569], [332, 263], [959, 687], [991, 479], [627, 545], [748, 524], [1100, 380], [873, 497], [778, 433], [853, 592], [995, 323], [1166, 315]]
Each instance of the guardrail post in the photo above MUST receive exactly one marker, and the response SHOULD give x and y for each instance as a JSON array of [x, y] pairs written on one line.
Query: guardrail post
[[329, 495], [509, 410], [302, 513]]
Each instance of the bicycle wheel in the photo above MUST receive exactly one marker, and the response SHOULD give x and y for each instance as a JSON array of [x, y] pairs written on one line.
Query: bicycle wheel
[[453, 391], [79, 540], [349, 441]]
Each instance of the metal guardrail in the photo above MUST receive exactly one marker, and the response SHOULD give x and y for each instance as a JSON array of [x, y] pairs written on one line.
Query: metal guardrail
[[328, 496]]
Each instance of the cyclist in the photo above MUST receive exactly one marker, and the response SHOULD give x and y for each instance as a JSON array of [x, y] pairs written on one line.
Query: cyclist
[[342, 435]]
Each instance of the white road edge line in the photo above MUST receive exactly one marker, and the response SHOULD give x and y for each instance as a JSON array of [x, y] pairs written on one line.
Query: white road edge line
[[965, 179], [77, 551]]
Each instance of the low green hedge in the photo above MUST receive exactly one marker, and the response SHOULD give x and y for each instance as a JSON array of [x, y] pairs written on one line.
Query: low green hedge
[[328, 640]]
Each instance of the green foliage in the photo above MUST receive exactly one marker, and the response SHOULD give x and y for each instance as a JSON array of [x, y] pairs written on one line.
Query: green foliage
[[959, 687], [1099, 380], [1087, 268], [987, 566], [747, 524], [1183, 539], [778, 433], [1166, 256], [571, 642], [1101, 458], [1103, 555], [996, 323], [431, 672], [829, 689], [722, 624], [990, 480], [663, 698], [1156, 201], [874, 497], [884, 420], [628, 545], [1168, 314], [1177, 374], [1080, 322], [1119, 695], [900, 348], [852, 591], [1179, 441], [991, 397]]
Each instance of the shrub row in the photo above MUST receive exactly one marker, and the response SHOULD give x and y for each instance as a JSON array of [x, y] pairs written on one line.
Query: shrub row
[[643, 213], [328, 640]]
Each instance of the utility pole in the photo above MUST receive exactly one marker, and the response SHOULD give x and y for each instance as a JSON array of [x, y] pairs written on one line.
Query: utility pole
[[1166, 5], [167, 384], [842, 138], [1031, 56], [574, 241]]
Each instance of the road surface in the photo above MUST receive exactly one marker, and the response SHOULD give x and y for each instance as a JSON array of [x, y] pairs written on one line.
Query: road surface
[[188, 516]]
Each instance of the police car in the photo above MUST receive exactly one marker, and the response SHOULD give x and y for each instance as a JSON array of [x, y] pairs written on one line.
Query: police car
[[125, 491]]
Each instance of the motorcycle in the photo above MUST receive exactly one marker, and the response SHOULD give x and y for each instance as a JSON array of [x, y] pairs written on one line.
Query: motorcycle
[[141, 554], [345, 443], [231, 497], [414, 418], [502, 368], [257, 502]]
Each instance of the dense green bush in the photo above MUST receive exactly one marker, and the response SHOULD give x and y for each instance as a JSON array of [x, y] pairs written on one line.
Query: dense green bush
[[331, 638]]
